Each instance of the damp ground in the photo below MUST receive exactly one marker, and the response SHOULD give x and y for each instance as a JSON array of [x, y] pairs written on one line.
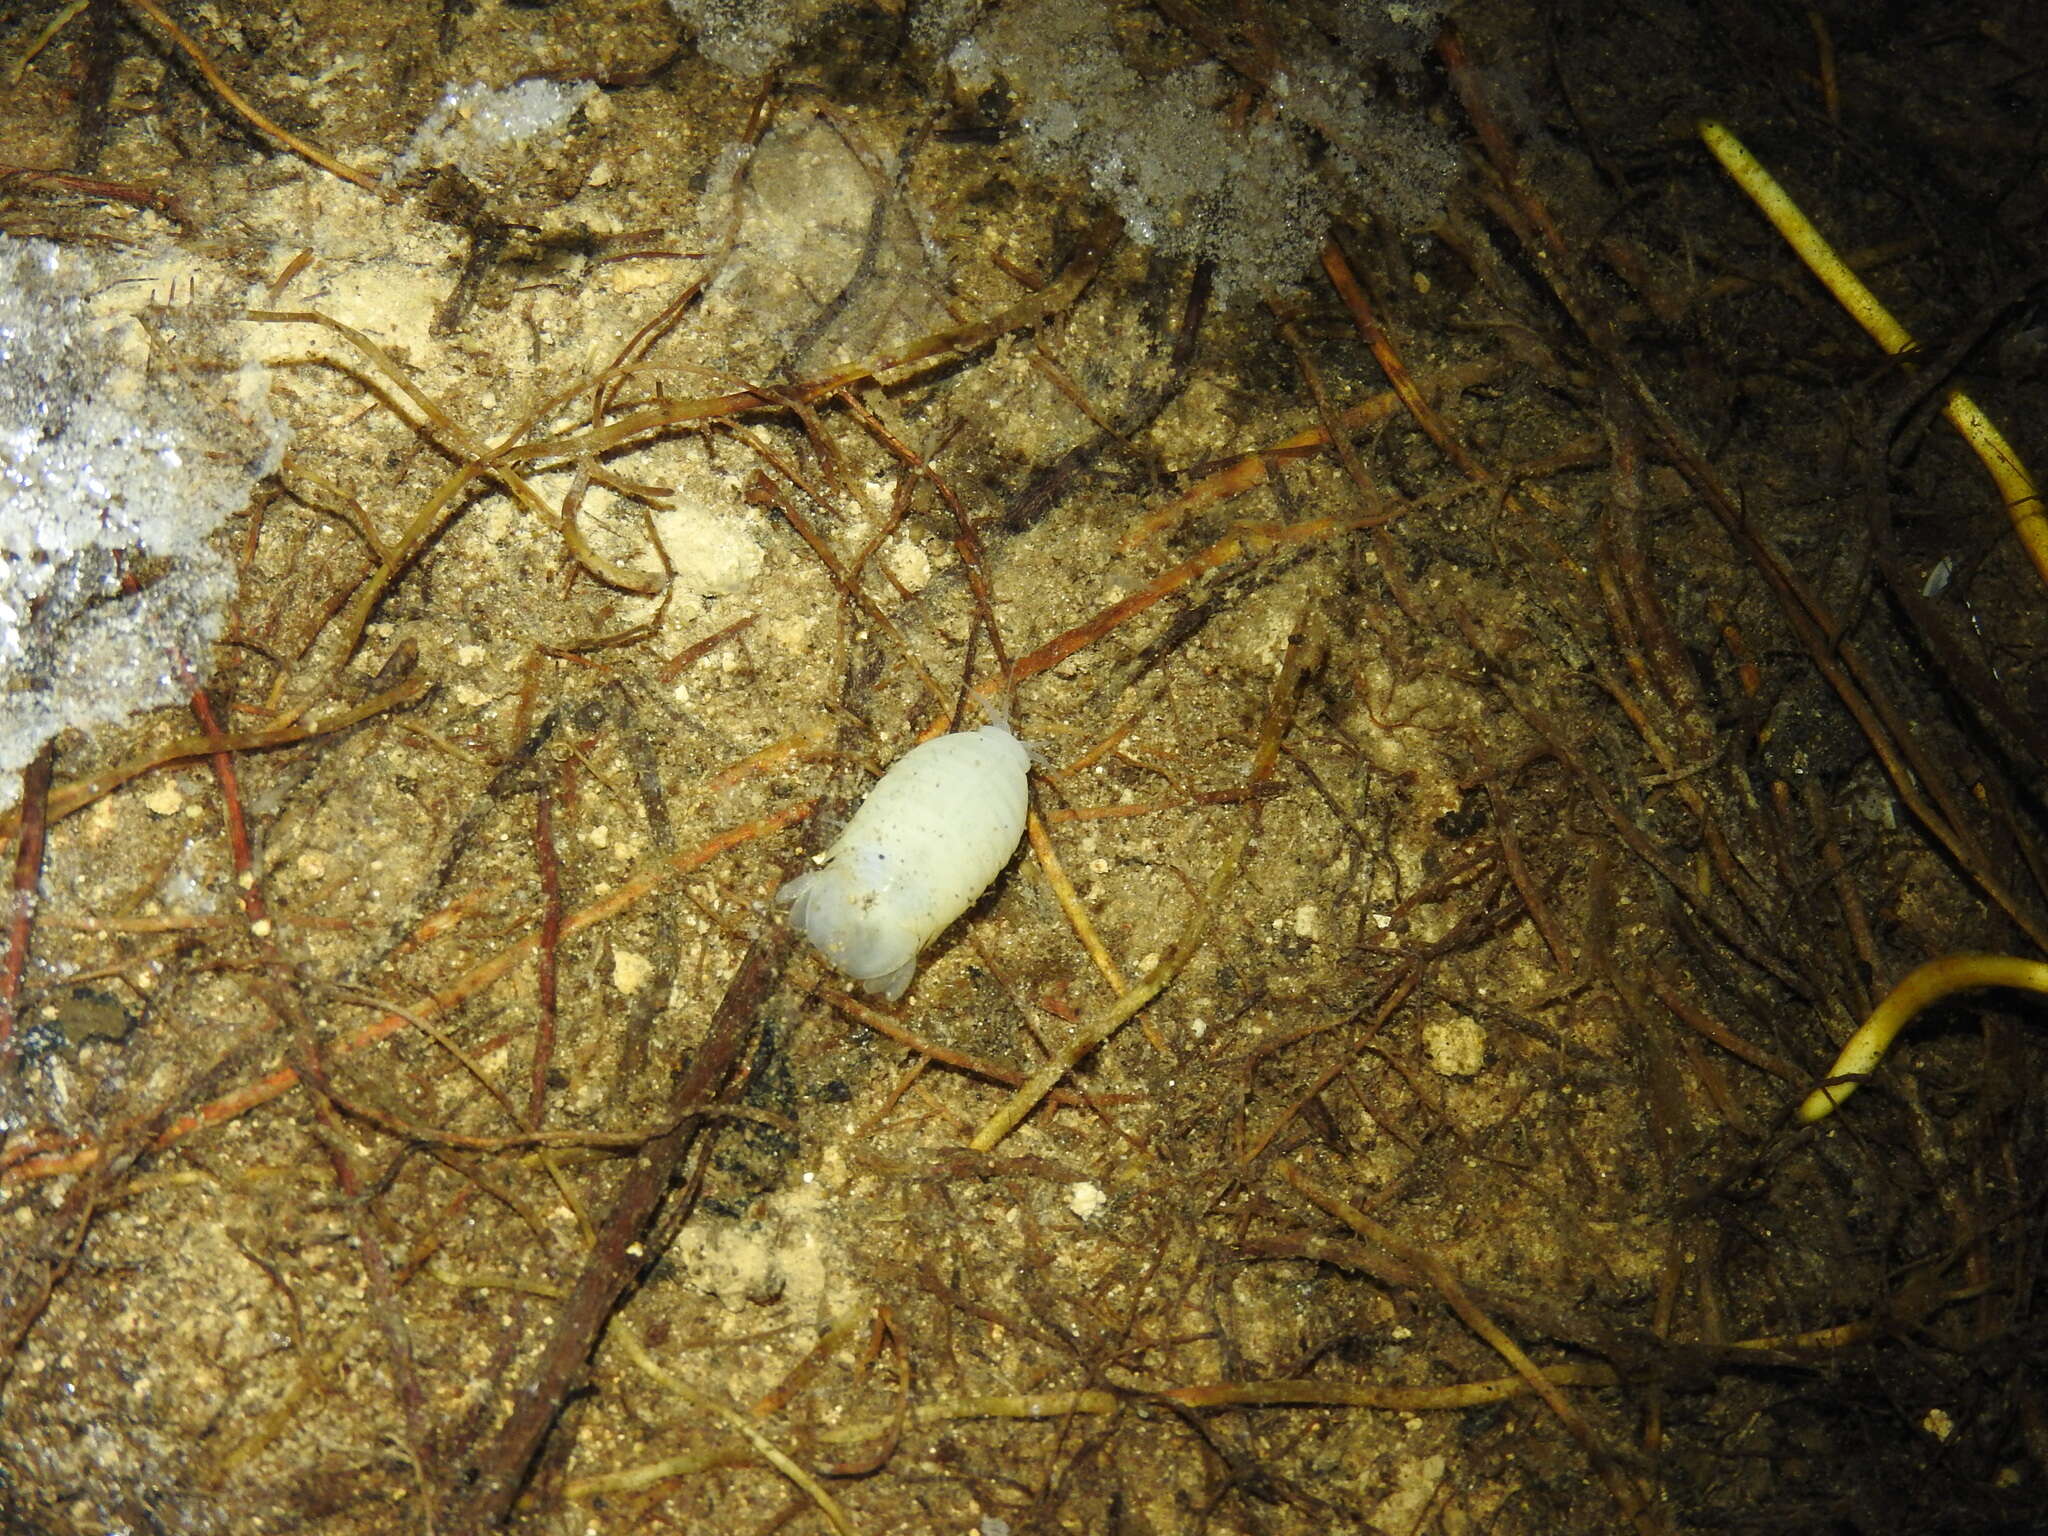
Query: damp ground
[[1512, 793]]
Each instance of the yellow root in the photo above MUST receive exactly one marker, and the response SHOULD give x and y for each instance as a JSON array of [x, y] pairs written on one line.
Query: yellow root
[[1922, 987], [2015, 486]]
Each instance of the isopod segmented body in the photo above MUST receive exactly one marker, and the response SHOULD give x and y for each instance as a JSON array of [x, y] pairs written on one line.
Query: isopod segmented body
[[932, 834]]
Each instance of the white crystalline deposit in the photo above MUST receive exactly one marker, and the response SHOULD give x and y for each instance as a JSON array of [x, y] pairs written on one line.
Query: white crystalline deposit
[[481, 131], [1254, 198], [749, 37], [111, 485], [1167, 144]]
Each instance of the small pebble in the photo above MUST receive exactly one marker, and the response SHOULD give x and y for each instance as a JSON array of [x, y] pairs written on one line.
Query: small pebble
[[630, 970], [1456, 1047]]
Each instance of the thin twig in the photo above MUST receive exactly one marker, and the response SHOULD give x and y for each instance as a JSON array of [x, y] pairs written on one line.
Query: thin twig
[[1525, 883], [550, 939], [929, 1050], [1625, 1492], [240, 103], [499, 1471], [769, 1452], [281, 1080], [75, 796], [28, 878], [384, 1303], [1070, 903], [1094, 1030], [240, 850]]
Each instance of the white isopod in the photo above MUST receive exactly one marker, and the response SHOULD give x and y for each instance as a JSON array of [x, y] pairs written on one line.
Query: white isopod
[[931, 835]]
